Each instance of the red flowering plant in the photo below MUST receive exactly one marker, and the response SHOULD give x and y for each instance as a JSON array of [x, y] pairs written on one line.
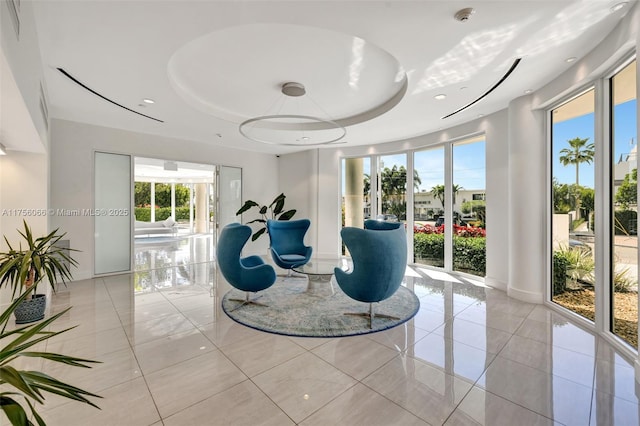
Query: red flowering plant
[[460, 231]]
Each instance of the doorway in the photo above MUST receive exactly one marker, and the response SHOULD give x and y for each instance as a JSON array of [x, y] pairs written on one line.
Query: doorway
[[174, 208]]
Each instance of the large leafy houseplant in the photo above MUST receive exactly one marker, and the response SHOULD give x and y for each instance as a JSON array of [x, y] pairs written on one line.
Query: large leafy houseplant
[[274, 211], [23, 268], [20, 389]]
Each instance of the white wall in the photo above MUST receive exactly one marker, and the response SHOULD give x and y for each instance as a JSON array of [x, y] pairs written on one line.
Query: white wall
[[23, 195], [298, 181], [72, 149], [22, 55]]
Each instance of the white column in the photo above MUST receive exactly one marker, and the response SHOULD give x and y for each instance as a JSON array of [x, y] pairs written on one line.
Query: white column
[[173, 201], [353, 188], [527, 209], [202, 208], [190, 207], [153, 201]]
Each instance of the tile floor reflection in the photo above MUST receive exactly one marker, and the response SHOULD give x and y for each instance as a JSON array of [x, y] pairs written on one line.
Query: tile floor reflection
[[472, 356]]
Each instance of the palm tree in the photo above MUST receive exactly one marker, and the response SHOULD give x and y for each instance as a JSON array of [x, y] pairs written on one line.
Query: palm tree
[[579, 152], [438, 192]]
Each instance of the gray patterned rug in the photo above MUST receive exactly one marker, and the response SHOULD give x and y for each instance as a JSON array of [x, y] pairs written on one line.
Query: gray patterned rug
[[293, 311]]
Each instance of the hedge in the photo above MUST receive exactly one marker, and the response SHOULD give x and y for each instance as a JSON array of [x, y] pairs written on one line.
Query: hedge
[[469, 253], [143, 214], [560, 265]]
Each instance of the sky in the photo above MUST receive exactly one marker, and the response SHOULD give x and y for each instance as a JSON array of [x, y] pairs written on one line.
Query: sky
[[468, 165], [469, 159], [583, 127]]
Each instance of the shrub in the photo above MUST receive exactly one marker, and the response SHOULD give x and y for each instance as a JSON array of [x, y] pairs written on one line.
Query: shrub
[[560, 265], [622, 282], [429, 247], [469, 254], [143, 214]]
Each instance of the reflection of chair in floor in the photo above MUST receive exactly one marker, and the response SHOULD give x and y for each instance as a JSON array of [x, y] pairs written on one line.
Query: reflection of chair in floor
[[287, 242], [249, 274], [379, 263]]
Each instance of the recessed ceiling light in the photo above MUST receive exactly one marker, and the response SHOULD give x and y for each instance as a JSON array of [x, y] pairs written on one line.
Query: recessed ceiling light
[[148, 101], [440, 96], [571, 59], [618, 6], [480, 115], [528, 91]]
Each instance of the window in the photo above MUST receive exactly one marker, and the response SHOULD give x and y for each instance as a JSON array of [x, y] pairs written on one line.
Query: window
[[624, 205], [573, 195], [450, 188]]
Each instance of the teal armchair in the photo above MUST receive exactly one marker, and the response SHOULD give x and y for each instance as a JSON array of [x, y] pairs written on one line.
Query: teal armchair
[[249, 274], [379, 264], [381, 224], [287, 242]]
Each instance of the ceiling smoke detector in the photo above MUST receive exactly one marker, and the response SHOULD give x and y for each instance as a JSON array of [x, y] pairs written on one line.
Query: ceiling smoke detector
[[463, 15]]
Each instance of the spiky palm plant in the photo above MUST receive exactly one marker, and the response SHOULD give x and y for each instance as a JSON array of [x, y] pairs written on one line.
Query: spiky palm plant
[[40, 258], [24, 388]]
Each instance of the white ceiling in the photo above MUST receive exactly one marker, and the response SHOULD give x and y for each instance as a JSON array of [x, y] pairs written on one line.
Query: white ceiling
[[209, 65]]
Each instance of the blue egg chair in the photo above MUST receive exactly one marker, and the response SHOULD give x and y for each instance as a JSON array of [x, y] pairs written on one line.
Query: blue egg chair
[[381, 224], [379, 264], [287, 242], [249, 274]]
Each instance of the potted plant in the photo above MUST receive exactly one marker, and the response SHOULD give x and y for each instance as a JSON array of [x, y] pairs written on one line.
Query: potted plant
[[24, 268], [30, 385], [273, 211]]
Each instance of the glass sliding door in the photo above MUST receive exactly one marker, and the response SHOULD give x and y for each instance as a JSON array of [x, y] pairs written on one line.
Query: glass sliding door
[[624, 205], [428, 207], [468, 203], [572, 201]]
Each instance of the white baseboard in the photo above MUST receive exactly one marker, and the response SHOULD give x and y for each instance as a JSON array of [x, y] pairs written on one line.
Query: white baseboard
[[525, 296], [494, 283]]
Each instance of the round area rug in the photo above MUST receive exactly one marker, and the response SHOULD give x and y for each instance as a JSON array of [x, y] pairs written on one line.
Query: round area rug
[[293, 311]]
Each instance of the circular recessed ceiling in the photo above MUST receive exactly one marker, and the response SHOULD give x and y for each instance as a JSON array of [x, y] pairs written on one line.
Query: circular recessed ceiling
[[237, 74]]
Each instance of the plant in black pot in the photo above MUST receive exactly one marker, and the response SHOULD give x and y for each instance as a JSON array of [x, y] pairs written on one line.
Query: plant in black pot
[[23, 268], [274, 211]]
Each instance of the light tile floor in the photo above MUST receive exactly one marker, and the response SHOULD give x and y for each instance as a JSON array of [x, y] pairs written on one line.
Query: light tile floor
[[471, 356]]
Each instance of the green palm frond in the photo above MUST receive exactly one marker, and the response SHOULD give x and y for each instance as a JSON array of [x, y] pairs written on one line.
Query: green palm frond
[[32, 386]]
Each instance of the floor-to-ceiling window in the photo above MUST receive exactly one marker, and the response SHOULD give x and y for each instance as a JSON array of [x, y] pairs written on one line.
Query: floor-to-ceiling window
[[462, 200], [594, 244], [428, 207], [572, 200], [468, 203], [624, 205]]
